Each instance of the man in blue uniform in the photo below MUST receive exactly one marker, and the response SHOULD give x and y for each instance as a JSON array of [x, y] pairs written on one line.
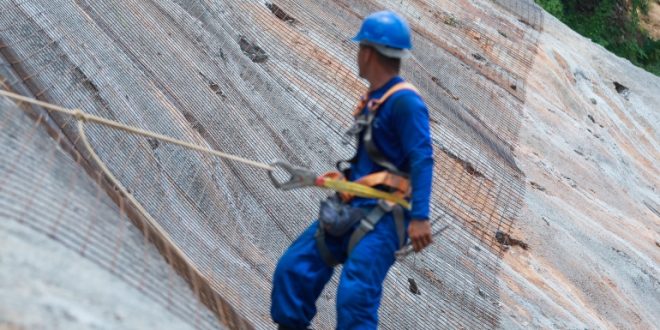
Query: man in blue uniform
[[394, 138]]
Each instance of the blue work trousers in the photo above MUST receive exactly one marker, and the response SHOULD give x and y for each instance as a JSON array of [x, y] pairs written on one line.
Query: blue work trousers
[[301, 274]]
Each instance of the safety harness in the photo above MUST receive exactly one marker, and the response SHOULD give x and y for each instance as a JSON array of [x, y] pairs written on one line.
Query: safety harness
[[391, 181]]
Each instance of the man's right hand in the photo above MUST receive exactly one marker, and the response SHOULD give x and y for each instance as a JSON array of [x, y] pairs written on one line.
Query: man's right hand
[[419, 232]]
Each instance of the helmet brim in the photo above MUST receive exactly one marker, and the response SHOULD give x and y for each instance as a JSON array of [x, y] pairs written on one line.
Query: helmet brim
[[384, 50], [392, 52]]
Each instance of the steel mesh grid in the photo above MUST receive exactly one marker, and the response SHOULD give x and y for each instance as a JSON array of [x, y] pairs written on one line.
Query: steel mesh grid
[[503, 189], [44, 189]]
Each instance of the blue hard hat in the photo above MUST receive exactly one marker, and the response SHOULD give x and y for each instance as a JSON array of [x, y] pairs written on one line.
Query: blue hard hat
[[385, 28]]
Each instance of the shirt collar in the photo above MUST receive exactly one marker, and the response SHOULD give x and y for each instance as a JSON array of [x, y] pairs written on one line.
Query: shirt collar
[[380, 91]]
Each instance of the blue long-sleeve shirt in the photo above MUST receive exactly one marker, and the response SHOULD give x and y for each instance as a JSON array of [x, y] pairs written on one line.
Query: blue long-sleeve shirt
[[401, 132]]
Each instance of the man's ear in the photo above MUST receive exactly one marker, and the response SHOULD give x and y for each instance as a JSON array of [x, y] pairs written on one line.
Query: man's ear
[[369, 56]]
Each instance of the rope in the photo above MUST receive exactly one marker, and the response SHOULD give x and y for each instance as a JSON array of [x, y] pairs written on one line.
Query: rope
[[124, 191], [82, 117]]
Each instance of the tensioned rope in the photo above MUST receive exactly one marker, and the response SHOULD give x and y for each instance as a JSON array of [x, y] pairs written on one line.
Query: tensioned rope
[[82, 116], [322, 181]]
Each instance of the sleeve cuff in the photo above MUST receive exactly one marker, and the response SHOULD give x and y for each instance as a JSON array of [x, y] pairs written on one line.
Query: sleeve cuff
[[422, 217]]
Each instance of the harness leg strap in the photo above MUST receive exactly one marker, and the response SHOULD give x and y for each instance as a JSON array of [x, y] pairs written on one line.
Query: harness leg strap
[[366, 225], [369, 223], [399, 221], [326, 255]]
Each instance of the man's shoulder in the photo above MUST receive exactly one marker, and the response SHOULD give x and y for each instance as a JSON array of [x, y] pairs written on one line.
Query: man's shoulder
[[406, 99]]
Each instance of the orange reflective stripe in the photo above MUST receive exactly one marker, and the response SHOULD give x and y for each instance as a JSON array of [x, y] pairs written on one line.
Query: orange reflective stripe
[[375, 104]]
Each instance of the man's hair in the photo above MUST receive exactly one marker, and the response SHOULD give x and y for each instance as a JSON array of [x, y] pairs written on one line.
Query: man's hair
[[391, 63]]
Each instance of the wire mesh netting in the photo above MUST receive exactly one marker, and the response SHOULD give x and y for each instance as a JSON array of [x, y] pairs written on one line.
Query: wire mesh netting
[[265, 80], [44, 189]]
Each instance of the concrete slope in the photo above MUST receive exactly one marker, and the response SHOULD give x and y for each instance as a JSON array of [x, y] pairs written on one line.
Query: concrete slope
[[70, 259], [278, 80], [243, 78]]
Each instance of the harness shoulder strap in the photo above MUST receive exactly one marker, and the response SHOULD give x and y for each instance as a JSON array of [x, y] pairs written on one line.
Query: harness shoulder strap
[[370, 146], [376, 103], [365, 123]]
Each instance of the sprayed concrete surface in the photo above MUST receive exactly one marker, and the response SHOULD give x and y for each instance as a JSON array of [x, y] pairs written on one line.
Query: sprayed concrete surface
[[234, 77], [44, 285], [193, 70], [51, 275]]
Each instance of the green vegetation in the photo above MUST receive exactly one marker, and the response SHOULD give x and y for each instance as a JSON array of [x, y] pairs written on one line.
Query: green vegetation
[[612, 23]]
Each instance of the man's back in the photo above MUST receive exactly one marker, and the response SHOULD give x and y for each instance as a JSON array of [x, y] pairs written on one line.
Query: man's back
[[401, 133]]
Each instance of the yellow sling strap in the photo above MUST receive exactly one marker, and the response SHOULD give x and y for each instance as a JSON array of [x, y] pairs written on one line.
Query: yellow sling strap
[[358, 189]]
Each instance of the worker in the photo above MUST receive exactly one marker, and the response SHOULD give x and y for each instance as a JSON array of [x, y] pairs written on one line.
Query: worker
[[394, 146]]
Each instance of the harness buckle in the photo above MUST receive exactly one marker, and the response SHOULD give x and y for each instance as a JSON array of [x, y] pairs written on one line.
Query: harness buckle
[[354, 130], [366, 225], [385, 205]]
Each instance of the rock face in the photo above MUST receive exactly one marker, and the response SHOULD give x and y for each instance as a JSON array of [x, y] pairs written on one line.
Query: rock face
[[589, 137], [527, 119]]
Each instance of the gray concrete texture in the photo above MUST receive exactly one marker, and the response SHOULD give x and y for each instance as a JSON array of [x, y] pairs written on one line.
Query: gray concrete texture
[[246, 79], [70, 258], [278, 80]]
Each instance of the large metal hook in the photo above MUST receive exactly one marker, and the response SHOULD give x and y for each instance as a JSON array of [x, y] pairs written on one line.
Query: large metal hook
[[299, 177]]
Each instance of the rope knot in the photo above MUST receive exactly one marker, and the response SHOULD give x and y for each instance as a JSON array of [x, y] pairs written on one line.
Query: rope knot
[[79, 115]]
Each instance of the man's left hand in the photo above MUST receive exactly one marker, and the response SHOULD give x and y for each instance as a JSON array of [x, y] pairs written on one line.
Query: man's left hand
[[419, 232]]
